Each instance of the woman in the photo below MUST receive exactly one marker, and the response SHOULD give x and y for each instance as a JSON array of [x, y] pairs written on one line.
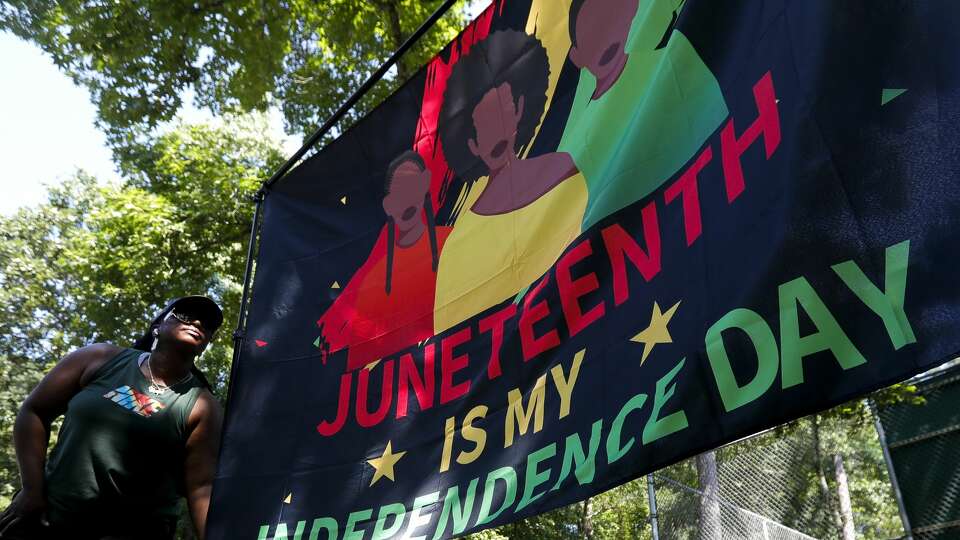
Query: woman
[[518, 212], [141, 429]]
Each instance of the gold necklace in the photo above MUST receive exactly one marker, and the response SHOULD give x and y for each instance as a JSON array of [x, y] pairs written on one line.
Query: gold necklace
[[161, 388]]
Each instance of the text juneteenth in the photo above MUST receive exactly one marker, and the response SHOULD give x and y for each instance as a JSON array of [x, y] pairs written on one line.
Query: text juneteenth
[[406, 375]]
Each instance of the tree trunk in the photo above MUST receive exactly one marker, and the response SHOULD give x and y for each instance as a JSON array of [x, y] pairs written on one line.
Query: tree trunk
[[825, 493], [586, 524], [395, 30], [843, 493], [710, 498]]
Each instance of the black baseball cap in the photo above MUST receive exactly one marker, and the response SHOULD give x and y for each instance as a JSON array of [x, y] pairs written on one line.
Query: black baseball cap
[[202, 307]]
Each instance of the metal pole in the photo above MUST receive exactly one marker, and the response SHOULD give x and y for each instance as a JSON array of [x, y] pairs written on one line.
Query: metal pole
[[353, 99], [238, 333], [882, 436], [652, 499]]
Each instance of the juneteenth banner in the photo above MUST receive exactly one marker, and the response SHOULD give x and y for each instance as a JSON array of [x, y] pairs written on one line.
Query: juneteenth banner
[[587, 240]]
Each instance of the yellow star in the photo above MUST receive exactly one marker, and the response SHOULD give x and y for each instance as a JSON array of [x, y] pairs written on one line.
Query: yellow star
[[384, 464], [656, 332], [371, 365]]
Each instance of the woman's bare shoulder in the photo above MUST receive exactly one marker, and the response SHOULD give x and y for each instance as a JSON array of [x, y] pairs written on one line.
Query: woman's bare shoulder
[[95, 352], [50, 397], [90, 358]]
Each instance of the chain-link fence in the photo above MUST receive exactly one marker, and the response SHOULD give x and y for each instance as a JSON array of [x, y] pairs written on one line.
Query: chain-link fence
[[826, 476], [924, 444], [805, 480], [686, 513]]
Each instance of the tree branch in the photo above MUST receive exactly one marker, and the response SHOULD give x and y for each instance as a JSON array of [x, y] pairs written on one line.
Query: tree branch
[[395, 32]]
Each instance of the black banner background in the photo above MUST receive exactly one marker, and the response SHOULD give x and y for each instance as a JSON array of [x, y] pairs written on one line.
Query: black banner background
[[849, 178]]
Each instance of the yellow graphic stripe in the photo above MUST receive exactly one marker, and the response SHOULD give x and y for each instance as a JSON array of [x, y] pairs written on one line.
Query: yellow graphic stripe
[[547, 21]]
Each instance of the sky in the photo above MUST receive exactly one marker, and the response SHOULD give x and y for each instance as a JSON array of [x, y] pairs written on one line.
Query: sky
[[48, 129]]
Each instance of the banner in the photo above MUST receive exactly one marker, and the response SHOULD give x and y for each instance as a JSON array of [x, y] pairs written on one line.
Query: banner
[[587, 240]]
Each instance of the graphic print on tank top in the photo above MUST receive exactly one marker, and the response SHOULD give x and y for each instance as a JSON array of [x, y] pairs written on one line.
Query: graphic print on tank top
[[134, 401]]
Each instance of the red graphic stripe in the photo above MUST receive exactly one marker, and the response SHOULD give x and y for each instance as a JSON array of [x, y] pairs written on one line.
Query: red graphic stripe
[[427, 142]]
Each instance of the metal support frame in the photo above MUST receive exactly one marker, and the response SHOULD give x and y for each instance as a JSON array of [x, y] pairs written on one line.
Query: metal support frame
[[652, 500], [239, 333], [882, 436]]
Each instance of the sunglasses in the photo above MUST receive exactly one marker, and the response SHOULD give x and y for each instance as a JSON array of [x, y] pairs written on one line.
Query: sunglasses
[[189, 318]]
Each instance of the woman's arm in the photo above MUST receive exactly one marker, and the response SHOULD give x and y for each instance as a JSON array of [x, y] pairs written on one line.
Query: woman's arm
[[203, 445], [31, 431]]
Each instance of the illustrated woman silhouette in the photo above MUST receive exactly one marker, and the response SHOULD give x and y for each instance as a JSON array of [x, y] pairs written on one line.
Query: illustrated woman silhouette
[[517, 212], [406, 196], [645, 102], [390, 306]]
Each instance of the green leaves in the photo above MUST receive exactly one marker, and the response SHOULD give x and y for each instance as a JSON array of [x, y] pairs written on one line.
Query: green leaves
[[96, 263], [137, 58], [19, 377], [35, 253]]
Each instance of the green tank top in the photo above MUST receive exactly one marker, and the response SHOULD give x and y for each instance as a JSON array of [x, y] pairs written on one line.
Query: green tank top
[[121, 449]]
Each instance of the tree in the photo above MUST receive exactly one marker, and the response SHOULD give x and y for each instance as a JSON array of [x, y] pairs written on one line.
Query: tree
[[848, 431], [38, 319], [139, 59], [710, 525], [843, 495], [18, 377], [618, 514], [95, 263]]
